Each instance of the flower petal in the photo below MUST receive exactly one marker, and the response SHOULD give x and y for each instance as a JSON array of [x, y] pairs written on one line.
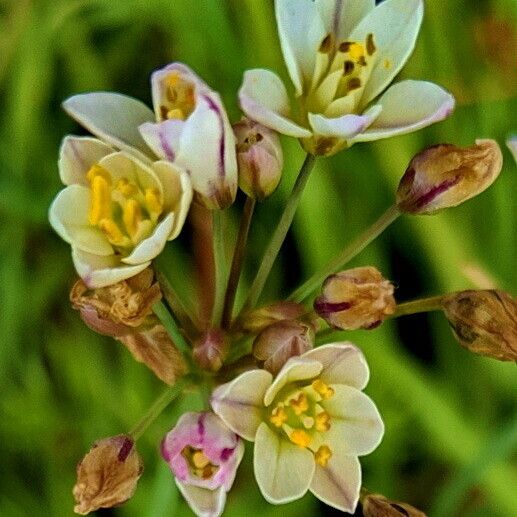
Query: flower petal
[[68, 215], [76, 155], [357, 427], [296, 369], [343, 363], [341, 16], [346, 126], [97, 271], [263, 98], [163, 137], [112, 117], [406, 107], [202, 501], [395, 25], [283, 470], [339, 483], [239, 403]]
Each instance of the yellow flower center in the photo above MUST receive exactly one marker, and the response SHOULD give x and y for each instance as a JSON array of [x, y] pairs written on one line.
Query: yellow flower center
[[323, 455], [178, 101], [199, 465]]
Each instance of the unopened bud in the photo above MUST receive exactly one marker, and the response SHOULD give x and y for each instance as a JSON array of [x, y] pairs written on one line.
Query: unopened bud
[[260, 158], [358, 298], [275, 345], [376, 505], [210, 350], [258, 319], [107, 475], [484, 322], [444, 176]]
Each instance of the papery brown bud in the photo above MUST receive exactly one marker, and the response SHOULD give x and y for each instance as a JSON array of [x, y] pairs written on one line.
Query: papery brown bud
[[260, 158], [107, 476], [484, 322], [276, 344], [210, 350], [376, 505], [258, 319], [358, 298], [444, 176]]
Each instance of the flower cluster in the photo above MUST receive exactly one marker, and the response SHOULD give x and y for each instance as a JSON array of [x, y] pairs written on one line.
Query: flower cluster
[[129, 189]]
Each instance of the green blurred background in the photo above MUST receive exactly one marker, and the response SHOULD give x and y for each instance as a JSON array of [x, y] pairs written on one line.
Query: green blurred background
[[450, 444]]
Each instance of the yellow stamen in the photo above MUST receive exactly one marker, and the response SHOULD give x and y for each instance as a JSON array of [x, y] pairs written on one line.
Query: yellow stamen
[[176, 114], [300, 404], [100, 204], [323, 389], [152, 200], [172, 80], [356, 51], [96, 170], [278, 417], [128, 189], [131, 216], [199, 460], [322, 422], [300, 438], [112, 231], [323, 455]]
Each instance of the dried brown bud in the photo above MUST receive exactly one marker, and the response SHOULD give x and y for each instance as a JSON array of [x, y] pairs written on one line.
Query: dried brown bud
[[210, 350], [258, 319], [260, 158], [275, 345], [358, 298], [444, 176], [376, 505], [107, 475], [484, 322]]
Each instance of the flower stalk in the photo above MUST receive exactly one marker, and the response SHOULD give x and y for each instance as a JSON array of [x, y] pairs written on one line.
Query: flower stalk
[[172, 329], [434, 303], [219, 266]]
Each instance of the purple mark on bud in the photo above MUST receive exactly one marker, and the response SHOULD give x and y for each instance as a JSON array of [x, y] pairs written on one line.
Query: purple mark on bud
[[126, 448], [215, 108], [373, 325], [226, 453], [432, 194], [324, 308], [165, 144], [201, 426]]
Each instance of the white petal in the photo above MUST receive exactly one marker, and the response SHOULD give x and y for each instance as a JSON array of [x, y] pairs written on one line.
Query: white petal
[[239, 403], [68, 215], [203, 502], [356, 426], [283, 470], [263, 98], [301, 31], [163, 137], [346, 126], [406, 107], [112, 117], [77, 155], [296, 369], [343, 363], [339, 483], [97, 271], [511, 143], [151, 247], [394, 25], [341, 16]]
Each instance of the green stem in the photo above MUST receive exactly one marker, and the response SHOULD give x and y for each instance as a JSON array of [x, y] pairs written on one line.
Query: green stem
[[219, 266], [172, 329], [238, 257], [280, 233], [433, 303], [350, 252]]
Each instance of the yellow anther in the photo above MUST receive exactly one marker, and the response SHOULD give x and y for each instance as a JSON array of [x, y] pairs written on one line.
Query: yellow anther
[[128, 189], [299, 404], [300, 438], [100, 203], [112, 231], [278, 417], [131, 216], [199, 460], [356, 51], [323, 389], [322, 422], [95, 171], [323, 455], [152, 200], [176, 114], [172, 80]]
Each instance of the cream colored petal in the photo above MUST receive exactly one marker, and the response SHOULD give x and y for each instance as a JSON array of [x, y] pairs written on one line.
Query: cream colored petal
[[511, 143], [341, 16], [343, 363], [346, 126], [296, 369], [97, 271], [68, 215], [356, 426], [283, 470], [239, 403], [203, 502], [76, 155], [339, 483]]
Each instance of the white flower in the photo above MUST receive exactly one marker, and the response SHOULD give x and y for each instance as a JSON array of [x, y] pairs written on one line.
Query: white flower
[[309, 424], [341, 56], [118, 208]]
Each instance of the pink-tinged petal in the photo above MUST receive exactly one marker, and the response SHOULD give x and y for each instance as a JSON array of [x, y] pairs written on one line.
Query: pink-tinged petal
[[356, 426], [97, 271], [112, 117], [283, 470], [68, 215], [339, 483], [296, 369], [406, 107], [163, 137], [76, 156], [341, 16], [263, 98], [343, 363], [345, 127], [202, 501], [239, 403]]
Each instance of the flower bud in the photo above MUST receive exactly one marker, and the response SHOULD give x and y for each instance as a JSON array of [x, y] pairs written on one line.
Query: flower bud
[[375, 505], [260, 158], [275, 345], [258, 319], [358, 298], [484, 322], [444, 176], [107, 475], [210, 350]]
